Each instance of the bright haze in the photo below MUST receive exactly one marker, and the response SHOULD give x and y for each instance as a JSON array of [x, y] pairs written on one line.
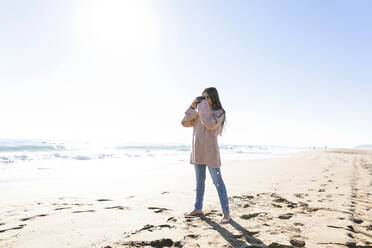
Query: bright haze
[[288, 72]]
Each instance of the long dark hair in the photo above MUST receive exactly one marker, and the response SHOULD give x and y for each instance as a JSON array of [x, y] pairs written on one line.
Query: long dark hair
[[216, 104]]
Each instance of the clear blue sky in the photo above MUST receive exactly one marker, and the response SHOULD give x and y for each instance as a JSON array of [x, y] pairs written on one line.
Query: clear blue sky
[[288, 72]]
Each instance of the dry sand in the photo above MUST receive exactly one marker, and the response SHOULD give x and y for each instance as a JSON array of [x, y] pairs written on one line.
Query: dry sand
[[316, 199]]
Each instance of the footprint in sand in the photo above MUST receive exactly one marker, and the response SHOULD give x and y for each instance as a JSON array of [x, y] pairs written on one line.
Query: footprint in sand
[[307, 208], [158, 210], [242, 197], [350, 235], [280, 199], [286, 216], [212, 213], [189, 222], [249, 216], [292, 205], [165, 226], [297, 242], [193, 236], [150, 228], [355, 220], [299, 195], [246, 205], [191, 240], [152, 243], [32, 217], [171, 219]]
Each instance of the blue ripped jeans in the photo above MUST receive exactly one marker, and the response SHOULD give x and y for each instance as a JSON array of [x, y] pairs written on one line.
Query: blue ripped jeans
[[217, 181]]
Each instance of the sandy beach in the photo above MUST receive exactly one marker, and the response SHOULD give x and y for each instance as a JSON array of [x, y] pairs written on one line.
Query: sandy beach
[[309, 199]]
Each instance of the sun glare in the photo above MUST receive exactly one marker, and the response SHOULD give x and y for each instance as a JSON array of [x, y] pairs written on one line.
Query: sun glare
[[116, 41], [116, 26]]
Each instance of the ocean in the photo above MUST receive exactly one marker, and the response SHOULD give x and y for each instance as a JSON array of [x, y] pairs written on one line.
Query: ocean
[[35, 160]]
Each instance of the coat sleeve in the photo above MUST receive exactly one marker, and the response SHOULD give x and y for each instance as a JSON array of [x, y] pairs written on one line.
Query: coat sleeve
[[188, 120], [207, 118]]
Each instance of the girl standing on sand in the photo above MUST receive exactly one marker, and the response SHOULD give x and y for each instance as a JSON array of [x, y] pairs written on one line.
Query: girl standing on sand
[[207, 124]]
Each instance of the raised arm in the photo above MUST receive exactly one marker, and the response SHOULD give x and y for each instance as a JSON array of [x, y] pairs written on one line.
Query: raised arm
[[190, 115], [209, 119]]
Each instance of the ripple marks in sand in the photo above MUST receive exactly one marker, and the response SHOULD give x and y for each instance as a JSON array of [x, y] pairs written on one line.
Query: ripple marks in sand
[[13, 228], [84, 211], [33, 217], [61, 208], [118, 207]]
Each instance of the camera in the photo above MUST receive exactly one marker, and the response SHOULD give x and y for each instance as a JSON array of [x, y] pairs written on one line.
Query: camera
[[200, 98]]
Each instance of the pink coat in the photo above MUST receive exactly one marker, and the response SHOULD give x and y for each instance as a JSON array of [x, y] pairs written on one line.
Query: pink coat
[[206, 124]]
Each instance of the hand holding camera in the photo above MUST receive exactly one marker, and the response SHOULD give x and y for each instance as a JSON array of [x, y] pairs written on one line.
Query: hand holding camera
[[200, 98], [197, 101]]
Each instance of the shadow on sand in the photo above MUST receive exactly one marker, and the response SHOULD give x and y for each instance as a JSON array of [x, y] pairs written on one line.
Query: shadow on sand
[[233, 239]]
